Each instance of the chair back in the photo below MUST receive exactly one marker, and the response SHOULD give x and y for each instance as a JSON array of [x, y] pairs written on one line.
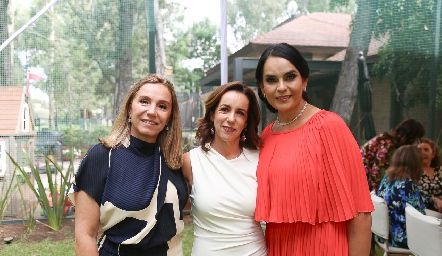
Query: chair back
[[424, 233], [379, 217], [429, 212]]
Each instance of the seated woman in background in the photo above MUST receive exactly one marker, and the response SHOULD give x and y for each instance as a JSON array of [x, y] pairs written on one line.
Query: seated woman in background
[[400, 186], [431, 180], [377, 152]]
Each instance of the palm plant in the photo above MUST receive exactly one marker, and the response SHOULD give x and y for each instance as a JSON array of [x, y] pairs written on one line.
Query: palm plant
[[6, 190], [28, 210], [54, 202]]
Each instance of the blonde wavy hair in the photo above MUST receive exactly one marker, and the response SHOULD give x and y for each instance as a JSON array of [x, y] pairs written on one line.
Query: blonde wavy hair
[[170, 141]]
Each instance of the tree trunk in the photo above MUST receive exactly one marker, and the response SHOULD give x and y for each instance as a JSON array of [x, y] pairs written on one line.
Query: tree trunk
[[347, 88], [51, 81], [160, 55], [5, 54], [124, 53]]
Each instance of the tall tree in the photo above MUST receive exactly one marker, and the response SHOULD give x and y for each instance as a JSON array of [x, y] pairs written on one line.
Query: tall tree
[[252, 18], [410, 27], [195, 50], [126, 10], [362, 30], [160, 53], [6, 77]]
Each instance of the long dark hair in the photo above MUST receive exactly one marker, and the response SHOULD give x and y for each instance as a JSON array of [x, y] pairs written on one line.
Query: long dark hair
[[289, 53], [405, 133], [204, 124]]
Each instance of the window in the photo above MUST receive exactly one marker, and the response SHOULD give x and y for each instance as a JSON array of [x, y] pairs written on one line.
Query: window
[[25, 119]]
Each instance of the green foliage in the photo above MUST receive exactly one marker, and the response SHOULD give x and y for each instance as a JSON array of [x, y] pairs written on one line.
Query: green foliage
[[7, 189], [54, 213], [28, 210], [409, 29], [187, 239], [84, 138], [252, 18], [195, 50], [341, 6]]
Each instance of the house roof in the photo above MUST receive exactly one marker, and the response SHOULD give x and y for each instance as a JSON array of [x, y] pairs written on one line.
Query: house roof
[[318, 32], [11, 98], [319, 29], [325, 36]]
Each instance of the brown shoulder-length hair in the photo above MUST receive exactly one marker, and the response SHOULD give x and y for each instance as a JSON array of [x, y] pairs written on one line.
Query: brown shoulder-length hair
[[169, 140], [204, 124], [406, 164], [435, 162]]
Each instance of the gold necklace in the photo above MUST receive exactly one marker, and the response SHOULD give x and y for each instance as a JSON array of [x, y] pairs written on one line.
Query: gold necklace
[[294, 119]]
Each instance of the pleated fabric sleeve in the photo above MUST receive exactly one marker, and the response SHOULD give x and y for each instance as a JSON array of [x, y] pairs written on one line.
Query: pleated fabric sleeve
[[313, 174]]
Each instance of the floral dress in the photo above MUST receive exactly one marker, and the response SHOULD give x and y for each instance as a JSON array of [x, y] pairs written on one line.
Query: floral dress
[[397, 194], [375, 155], [432, 186]]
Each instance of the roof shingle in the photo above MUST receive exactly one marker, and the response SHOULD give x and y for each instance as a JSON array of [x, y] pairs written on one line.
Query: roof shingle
[[11, 98]]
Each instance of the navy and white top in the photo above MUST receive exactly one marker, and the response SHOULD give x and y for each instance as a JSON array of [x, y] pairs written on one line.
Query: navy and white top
[[141, 199]]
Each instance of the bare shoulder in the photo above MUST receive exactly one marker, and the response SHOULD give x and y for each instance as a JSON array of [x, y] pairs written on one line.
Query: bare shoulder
[[187, 168]]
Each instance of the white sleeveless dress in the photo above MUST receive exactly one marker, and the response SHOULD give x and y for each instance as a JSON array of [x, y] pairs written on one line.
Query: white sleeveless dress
[[223, 200]]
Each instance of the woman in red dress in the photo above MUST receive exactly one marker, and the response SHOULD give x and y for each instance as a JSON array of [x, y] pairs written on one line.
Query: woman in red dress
[[312, 188]]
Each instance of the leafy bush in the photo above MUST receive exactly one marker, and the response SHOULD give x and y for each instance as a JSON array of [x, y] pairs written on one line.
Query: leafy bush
[[84, 138]]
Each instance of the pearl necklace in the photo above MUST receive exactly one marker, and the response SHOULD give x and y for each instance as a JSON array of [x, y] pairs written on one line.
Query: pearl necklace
[[294, 119]]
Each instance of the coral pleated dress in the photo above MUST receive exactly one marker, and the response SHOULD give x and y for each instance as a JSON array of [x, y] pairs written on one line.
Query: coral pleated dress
[[311, 180]]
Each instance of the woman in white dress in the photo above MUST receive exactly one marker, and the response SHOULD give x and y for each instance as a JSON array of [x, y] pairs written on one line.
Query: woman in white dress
[[222, 175]]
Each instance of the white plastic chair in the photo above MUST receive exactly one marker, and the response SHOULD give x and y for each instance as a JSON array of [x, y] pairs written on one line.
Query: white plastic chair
[[424, 233], [429, 212], [380, 226]]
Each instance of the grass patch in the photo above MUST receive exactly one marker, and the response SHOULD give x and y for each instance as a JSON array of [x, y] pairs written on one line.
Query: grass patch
[[187, 238], [66, 247], [44, 248]]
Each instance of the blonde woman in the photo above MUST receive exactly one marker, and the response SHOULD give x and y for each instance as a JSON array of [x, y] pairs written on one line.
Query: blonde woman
[[130, 188]]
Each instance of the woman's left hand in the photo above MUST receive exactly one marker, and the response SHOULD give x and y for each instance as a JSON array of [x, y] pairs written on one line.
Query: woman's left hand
[[437, 202]]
